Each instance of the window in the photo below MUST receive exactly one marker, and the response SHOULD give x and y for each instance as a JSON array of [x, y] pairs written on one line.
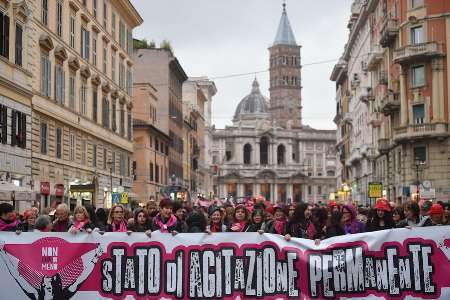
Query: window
[[105, 56], [83, 151], [114, 113], [46, 75], [85, 40], [95, 104], [94, 155], [129, 126], [309, 190], [264, 151], [72, 30], [113, 26], [113, 66], [105, 157], [18, 129], [94, 8], [58, 139], [83, 104], [94, 48], [113, 162], [417, 35], [59, 83], [416, 3], [122, 121], [121, 75], [156, 173], [247, 154], [419, 113], [105, 119], [281, 150], [45, 12], [130, 42], [72, 90], [71, 146], [129, 82], [105, 14], [122, 164], [420, 153], [156, 145], [3, 124], [418, 76], [151, 172], [44, 138], [19, 45], [122, 34], [59, 15], [4, 38]]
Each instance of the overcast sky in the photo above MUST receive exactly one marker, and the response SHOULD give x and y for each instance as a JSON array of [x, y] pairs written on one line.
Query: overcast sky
[[215, 38]]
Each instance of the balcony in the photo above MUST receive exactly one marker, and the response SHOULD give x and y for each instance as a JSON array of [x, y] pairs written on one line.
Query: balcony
[[390, 103], [389, 32], [384, 145], [369, 152], [421, 131], [355, 156], [375, 121], [375, 56], [366, 95], [419, 51]]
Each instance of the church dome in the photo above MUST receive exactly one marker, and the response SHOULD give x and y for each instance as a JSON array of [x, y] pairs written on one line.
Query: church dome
[[253, 106]]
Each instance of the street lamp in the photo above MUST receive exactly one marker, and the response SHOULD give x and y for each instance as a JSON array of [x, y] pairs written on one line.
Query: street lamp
[[418, 163]]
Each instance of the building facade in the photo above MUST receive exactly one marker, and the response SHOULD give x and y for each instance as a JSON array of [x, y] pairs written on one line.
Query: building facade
[[82, 108], [268, 151], [167, 76], [151, 145], [409, 96], [15, 101]]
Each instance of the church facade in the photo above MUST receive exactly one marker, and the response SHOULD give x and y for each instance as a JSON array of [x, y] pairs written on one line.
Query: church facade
[[268, 151]]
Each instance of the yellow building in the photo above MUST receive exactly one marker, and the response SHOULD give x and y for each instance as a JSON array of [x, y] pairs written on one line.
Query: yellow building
[[82, 108]]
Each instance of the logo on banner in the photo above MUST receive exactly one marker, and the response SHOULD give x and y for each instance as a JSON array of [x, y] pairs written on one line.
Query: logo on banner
[[57, 273]]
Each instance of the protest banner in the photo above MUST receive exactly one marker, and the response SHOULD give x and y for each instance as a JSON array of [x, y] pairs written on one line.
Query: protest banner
[[398, 263]]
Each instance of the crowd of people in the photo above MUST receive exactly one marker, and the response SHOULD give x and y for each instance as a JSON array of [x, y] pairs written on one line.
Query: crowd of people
[[299, 219]]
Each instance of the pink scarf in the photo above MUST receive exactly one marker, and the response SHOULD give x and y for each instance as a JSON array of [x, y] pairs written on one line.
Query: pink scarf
[[122, 227], [279, 226], [79, 225], [241, 225], [164, 228], [8, 226]]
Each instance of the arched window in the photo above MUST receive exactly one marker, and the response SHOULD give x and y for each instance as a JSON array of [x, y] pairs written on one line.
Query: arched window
[[247, 154], [281, 150], [264, 151]]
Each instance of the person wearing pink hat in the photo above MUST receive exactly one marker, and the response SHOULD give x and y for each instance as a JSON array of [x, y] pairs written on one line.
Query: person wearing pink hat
[[382, 218], [436, 214]]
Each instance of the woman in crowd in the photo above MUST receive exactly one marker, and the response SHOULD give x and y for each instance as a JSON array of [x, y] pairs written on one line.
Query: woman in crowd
[[151, 208], [43, 224], [297, 224], [165, 221], [382, 218], [351, 224], [446, 214], [436, 214], [398, 215], [216, 220], [412, 214], [141, 223], [240, 219], [116, 219], [62, 222], [196, 222], [334, 226], [81, 221], [29, 220], [8, 220], [102, 219], [257, 221], [317, 226], [279, 222], [180, 212]]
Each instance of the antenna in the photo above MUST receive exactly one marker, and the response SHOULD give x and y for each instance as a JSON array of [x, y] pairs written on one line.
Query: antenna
[[284, 5]]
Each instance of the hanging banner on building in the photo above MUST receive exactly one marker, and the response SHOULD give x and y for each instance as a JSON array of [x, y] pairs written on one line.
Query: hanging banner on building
[[397, 264]]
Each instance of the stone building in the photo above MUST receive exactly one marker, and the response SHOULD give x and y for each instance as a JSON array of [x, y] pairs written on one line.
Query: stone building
[[161, 68], [151, 144], [15, 101], [82, 109], [268, 151], [408, 98]]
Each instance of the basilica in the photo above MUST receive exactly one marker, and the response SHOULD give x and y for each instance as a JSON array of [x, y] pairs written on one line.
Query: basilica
[[268, 151]]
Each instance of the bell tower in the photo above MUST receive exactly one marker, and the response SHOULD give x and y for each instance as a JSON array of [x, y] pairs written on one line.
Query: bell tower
[[285, 76]]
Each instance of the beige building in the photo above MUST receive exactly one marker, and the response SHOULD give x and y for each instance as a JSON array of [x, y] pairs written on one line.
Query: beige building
[[161, 68], [82, 108], [15, 103], [151, 144]]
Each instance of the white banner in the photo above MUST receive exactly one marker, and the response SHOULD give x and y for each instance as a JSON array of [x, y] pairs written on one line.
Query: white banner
[[400, 263]]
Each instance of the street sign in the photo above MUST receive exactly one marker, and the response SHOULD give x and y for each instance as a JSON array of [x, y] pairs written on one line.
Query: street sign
[[124, 198], [375, 190], [115, 199]]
